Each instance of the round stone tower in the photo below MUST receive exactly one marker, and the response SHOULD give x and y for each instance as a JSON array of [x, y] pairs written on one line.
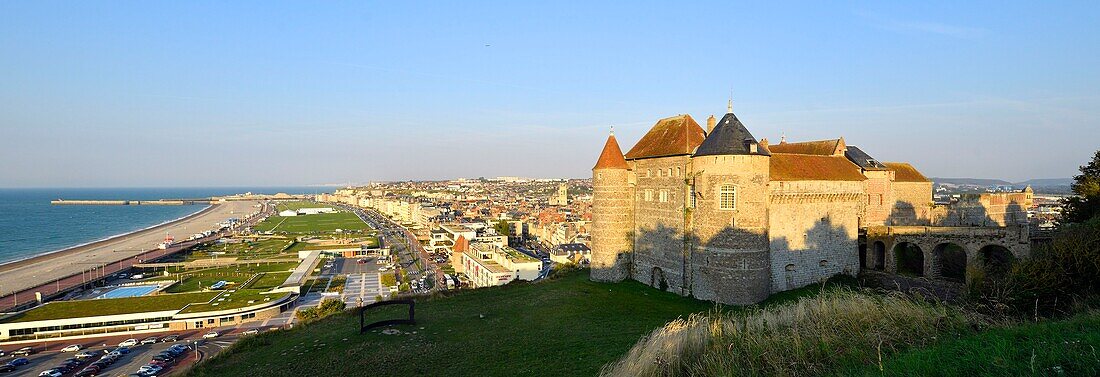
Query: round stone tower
[[612, 215]]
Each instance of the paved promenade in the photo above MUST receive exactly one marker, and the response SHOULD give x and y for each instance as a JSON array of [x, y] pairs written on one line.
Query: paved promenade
[[61, 270]]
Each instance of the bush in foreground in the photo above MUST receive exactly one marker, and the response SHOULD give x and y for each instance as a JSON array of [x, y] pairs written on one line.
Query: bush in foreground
[[808, 337]]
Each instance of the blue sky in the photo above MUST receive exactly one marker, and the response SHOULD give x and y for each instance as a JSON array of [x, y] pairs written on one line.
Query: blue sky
[[284, 93]]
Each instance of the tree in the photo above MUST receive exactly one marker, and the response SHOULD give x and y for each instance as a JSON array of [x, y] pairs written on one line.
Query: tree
[[502, 228], [1085, 204]]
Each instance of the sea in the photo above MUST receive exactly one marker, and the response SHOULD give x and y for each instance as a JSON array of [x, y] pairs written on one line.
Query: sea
[[30, 225]]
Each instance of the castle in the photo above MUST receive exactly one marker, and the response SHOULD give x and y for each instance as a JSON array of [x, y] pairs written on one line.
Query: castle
[[718, 215]]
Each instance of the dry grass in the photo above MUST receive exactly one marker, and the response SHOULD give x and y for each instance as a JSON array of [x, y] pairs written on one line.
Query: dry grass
[[807, 337]]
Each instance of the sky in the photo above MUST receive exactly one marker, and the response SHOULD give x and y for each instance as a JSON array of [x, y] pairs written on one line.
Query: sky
[[197, 93]]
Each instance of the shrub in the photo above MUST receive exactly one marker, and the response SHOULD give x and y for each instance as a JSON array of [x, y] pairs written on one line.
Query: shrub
[[807, 337], [1051, 281], [326, 308]]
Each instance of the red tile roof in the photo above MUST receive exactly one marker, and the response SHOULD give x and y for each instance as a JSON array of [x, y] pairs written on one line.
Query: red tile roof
[[903, 172], [612, 156], [833, 147], [671, 136], [804, 167]]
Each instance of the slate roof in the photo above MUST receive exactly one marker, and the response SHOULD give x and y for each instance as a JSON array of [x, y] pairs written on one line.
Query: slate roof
[[728, 137], [903, 172], [671, 136], [859, 157], [612, 156], [805, 167], [817, 147]]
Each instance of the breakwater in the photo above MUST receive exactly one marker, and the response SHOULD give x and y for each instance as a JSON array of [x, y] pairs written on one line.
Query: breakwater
[[161, 202]]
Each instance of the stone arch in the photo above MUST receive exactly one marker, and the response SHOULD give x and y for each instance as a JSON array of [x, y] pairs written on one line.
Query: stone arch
[[949, 262], [879, 256], [657, 279], [995, 260], [909, 259]]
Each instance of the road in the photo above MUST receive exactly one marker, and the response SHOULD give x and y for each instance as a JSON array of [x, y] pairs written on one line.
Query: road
[[48, 274]]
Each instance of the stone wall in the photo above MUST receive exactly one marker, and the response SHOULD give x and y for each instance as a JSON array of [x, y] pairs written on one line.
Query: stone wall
[[880, 197], [912, 205], [990, 209], [660, 197], [813, 232]]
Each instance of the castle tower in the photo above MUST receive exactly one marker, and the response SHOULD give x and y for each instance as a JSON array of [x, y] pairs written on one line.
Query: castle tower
[[731, 262], [612, 215]]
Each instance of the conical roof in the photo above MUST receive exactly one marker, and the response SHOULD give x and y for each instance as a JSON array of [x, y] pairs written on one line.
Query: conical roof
[[729, 137], [612, 156]]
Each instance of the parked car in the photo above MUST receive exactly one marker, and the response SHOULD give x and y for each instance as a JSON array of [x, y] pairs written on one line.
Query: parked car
[[7, 368], [50, 373], [20, 361], [149, 340], [2, 353], [211, 335], [149, 370], [170, 338], [25, 351], [71, 348], [128, 343], [251, 332], [90, 371], [85, 354]]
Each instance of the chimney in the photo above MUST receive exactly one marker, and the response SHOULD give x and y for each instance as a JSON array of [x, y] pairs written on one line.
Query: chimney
[[710, 124]]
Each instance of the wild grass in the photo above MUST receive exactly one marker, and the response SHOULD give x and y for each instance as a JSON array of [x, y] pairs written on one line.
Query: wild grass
[[808, 337]]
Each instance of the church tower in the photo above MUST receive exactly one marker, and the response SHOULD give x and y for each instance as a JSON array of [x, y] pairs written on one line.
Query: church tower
[[612, 215]]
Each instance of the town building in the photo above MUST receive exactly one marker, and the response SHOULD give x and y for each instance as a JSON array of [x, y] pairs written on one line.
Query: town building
[[487, 265]]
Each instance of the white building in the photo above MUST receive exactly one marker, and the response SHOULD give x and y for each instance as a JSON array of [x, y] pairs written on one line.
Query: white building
[[488, 265]]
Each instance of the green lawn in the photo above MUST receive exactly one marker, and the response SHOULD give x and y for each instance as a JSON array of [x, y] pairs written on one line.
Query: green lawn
[[269, 280], [1052, 348], [84, 308], [247, 250], [299, 204], [569, 326], [319, 223], [198, 279], [233, 300]]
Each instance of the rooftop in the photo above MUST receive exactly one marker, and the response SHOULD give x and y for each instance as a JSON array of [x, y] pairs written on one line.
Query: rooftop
[[903, 172], [831, 147], [804, 167], [672, 136], [729, 137]]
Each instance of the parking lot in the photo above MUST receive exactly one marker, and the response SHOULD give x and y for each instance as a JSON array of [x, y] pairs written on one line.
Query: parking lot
[[129, 363], [362, 284]]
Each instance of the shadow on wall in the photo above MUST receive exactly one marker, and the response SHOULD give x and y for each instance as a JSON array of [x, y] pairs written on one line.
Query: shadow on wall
[[660, 256], [825, 250], [974, 214]]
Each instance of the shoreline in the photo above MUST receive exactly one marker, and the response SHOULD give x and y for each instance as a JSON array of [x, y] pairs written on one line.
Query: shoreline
[[76, 248]]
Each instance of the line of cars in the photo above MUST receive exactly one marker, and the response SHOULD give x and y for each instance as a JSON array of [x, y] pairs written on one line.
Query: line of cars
[[103, 358]]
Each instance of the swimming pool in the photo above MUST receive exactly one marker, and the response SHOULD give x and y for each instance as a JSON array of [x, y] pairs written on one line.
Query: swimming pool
[[135, 291]]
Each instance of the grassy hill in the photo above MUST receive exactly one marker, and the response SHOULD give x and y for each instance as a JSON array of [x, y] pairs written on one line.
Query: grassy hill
[[568, 326]]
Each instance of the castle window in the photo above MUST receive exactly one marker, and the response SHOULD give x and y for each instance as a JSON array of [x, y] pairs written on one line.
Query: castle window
[[648, 173], [727, 197], [669, 172], [677, 171], [599, 175], [649, 195], [664, 196], [691, 193]]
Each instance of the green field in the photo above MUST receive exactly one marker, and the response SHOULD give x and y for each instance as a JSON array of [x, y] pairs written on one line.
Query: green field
[[299, 204], [269, 280], [569, 326], [244, 250], [196, 280], [112, 306], [312, 224], [234, 300], [1052, 348]]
